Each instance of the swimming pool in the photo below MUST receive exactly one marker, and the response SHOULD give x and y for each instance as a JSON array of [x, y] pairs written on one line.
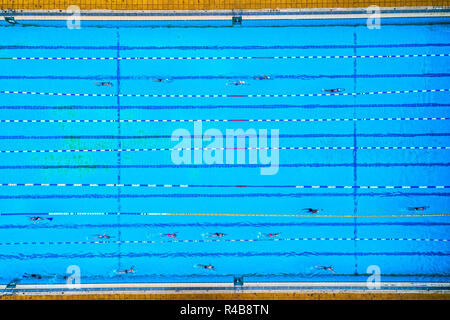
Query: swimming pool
[[100, 159]]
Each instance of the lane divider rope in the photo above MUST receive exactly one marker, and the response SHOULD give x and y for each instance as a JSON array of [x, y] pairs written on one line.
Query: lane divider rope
[[303, 215], [239, 57], [218, 240], [221, 120], [224, 95], [210, 186], [206, 148]]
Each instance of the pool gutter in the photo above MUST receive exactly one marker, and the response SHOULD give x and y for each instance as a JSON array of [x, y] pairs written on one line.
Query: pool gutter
[[262, 14]]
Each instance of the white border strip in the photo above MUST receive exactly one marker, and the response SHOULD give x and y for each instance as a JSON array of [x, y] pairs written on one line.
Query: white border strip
[[243, 11], [132, 292], [288, 14], [225, 18]]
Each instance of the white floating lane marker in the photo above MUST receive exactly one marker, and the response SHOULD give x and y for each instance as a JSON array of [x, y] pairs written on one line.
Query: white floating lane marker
[[212, 241], [225, 95], [214, 120], [279, 215], [237, 57], [211, 186], [206, 148]]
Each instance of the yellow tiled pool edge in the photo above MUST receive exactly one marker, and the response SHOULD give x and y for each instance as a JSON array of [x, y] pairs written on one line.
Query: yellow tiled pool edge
[[210, 4], [237, 296]]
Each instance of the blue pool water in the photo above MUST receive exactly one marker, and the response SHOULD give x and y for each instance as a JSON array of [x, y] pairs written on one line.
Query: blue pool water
[[355, 227]]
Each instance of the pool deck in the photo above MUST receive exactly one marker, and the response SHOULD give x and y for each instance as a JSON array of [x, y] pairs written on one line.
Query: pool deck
[[224, 15], [236, 296], [42, 14], [227, 291], [211, 4]]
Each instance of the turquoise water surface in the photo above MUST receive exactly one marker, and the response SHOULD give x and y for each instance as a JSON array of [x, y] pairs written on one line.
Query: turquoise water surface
[[354, 228]]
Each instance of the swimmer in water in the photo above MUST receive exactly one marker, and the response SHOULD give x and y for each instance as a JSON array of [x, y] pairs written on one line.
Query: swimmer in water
[[131, 270], [170, 235], [330, 268], [237, 83], [217, 234], [161, 80], [31, 276], [104, 84], [333, 90], [202, 266], [418, 208], [46, 276], [311, 210], [264, 77], [102, 236], [269, 235], [37, 219]]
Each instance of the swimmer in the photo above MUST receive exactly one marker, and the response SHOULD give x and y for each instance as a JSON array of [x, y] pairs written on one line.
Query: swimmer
[[170, 235], [202, 266], [269, 235], [264, 77], [237, 83], [42, 276], [161, 80], [37, 219], [102, 236], [418, 208], [55, 276], [333, 90], [104, 84], [217, 234], [131, 270], [311, 210], [330, 268], [31, 276]]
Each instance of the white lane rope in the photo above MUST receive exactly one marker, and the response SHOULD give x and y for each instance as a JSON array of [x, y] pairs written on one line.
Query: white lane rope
[[217, 240], [246, 148], [140, 185], [218, 120], [240, 57], [270, 215], [225, 95]]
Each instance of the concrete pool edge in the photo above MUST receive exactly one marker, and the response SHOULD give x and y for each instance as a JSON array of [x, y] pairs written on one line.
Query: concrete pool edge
[[260, 14], [227, 291], [248, 295]]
